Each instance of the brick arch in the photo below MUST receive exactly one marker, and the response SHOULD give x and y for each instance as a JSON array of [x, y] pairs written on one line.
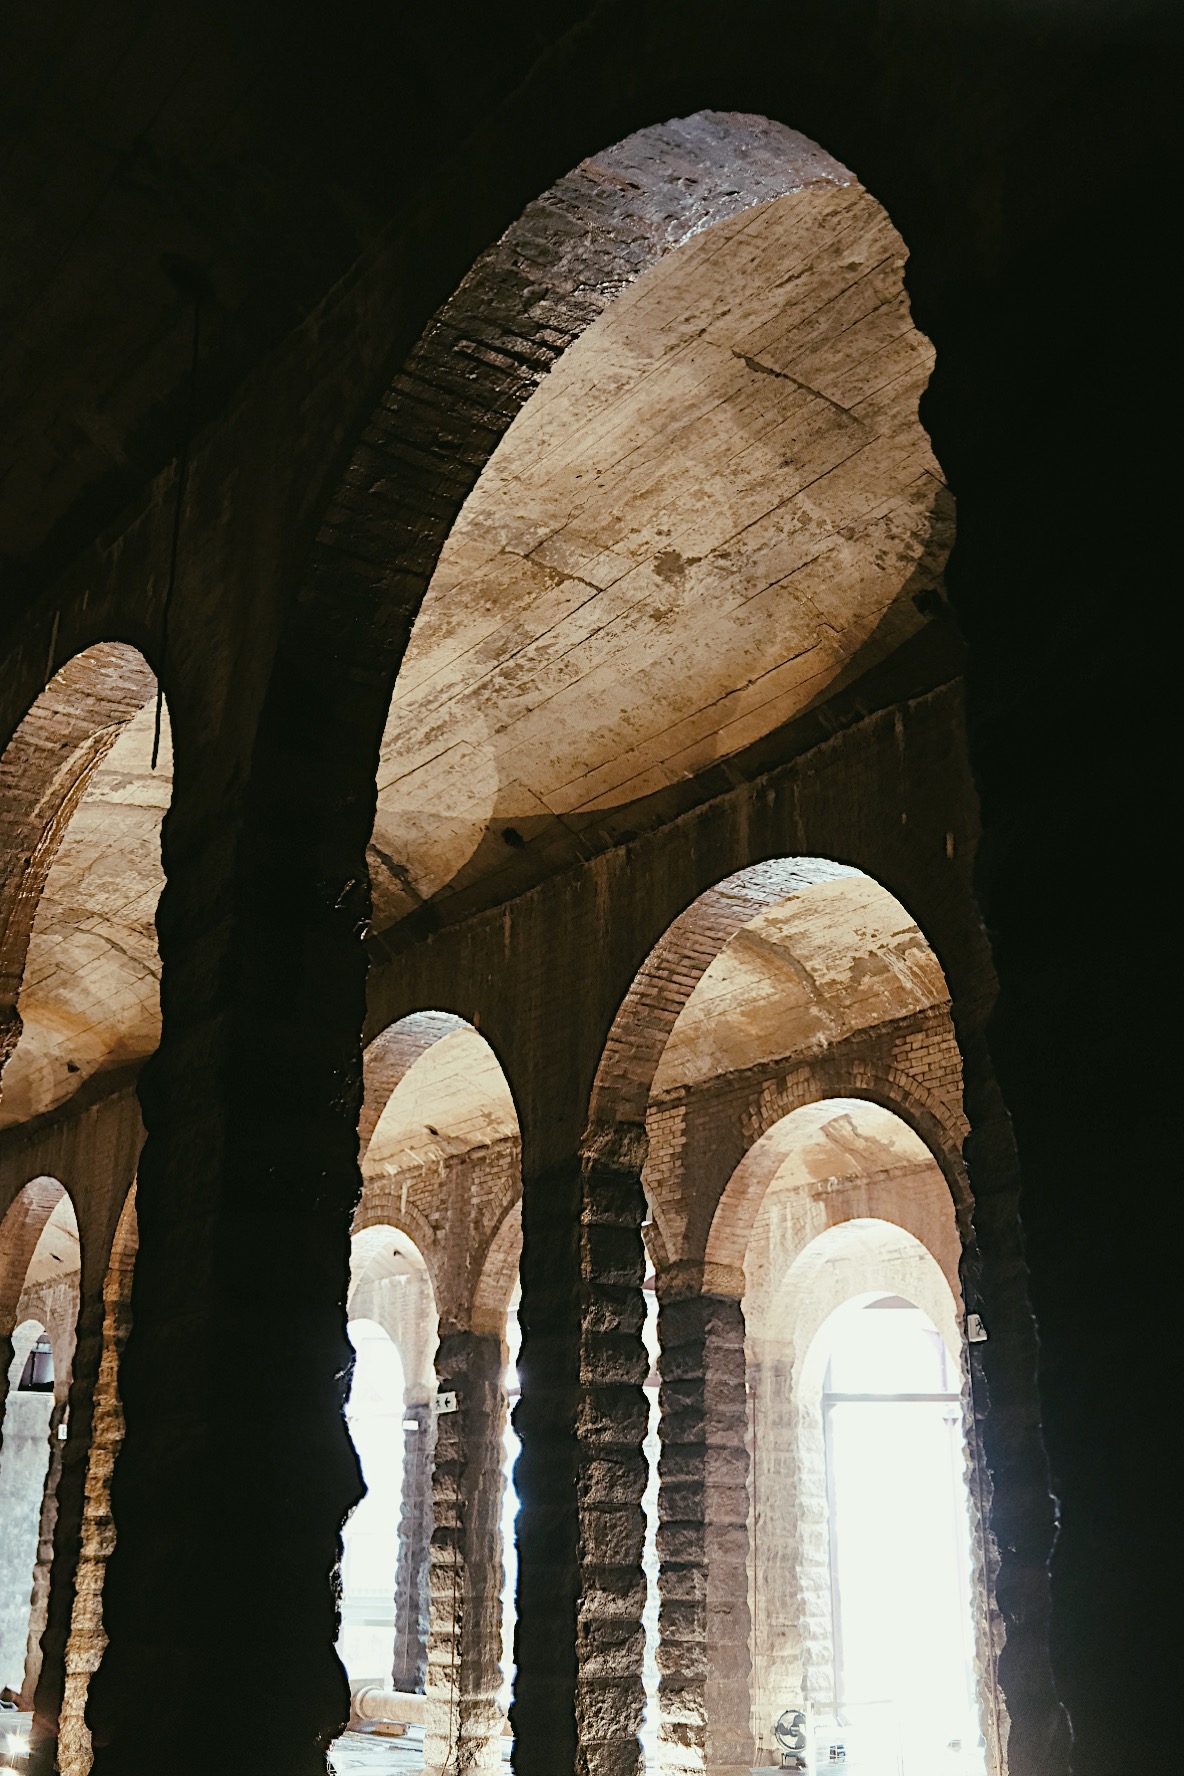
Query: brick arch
[[21, 1227], [391, 1055], [414, 1329], [498, 1272], [523, 303], [671, 972], [940, 1128], [44, 771], [381, 1209], [430, 435]]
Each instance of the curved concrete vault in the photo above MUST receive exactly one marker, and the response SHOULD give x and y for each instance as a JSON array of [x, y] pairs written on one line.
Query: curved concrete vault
[[718, 503]]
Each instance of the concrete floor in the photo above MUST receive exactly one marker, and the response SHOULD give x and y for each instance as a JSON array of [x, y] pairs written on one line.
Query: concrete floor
[[365, 1752]]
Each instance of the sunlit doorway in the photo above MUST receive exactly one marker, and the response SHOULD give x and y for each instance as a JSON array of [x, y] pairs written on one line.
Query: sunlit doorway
[[899, 1524]]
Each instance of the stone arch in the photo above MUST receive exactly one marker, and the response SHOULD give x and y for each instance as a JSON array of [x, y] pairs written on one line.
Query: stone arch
[[24, 1221], [442, 1164], [442, 1150], [735, 1213], [382, 1250], [670, 973], [552, 273], [641, 1086], [44, 772], [807, 1318], [390, 1055], [81, 805], [498, 1274], [848, 1261]]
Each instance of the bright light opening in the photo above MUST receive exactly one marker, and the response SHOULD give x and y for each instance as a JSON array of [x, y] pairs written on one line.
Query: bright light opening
[[651, 1724], [511, 1445], [24, 1467], [900, 1545], [370, 1539]]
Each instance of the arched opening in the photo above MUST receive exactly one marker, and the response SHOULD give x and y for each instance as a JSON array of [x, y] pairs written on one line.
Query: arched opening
[[679, 513], [782, 1046], [84, 786], [370, 1539], [79, 794], [435, 1254], [900, 1542], [87, 1635], [384, 1590], [717, 504], [856, 1222], [40, 1277]]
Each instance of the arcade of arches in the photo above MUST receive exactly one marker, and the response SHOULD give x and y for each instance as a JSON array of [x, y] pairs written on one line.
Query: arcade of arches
[[513, 1250]]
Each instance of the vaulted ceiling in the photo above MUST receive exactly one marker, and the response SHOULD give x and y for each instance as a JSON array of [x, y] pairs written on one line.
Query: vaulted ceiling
[[91, 996], [718, 507], [719, 502], [838, 957]]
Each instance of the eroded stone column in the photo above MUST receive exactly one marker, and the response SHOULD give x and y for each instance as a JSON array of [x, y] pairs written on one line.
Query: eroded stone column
[[412, 1590], [87, 1636], [543, 1710], [704, 1652], [579, 1697], [464, 1721], [612, 1427], [77, 1348]]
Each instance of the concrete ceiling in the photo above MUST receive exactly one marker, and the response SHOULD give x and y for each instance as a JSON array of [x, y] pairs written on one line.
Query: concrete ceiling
[[719, 497], [837, 957], [90, 998]]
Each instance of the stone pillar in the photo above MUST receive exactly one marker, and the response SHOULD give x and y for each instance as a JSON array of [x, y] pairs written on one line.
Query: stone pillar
[[704, 1653], [792, 1642], [612, 1428], [410, 1669], [579, 1693], [545, 1475], [464, 1722], [60, 1536], [87, 1637]]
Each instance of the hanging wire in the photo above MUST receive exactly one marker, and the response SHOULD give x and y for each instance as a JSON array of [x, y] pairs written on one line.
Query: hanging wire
[[182, 478]]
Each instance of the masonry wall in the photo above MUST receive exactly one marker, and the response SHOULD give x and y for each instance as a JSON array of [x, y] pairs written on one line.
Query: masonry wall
[[1022, 159]]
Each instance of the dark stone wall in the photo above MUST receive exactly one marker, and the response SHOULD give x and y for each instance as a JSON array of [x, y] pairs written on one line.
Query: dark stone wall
[[338, 190]]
